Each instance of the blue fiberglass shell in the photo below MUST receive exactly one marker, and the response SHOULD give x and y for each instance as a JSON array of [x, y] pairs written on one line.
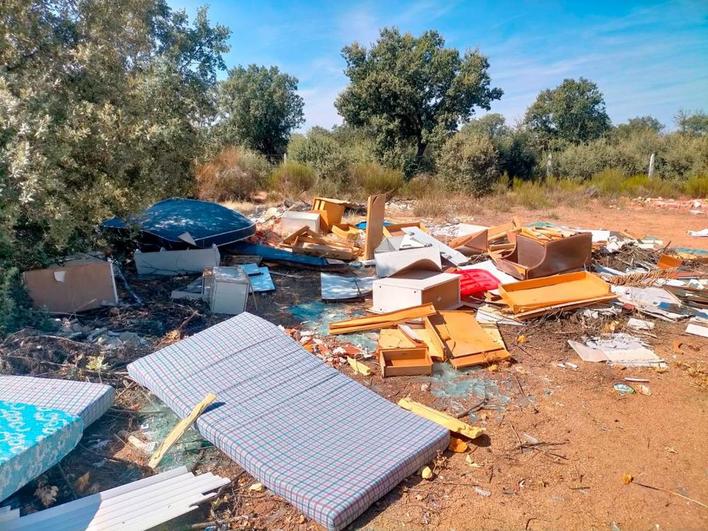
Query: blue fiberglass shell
[[205, 222]]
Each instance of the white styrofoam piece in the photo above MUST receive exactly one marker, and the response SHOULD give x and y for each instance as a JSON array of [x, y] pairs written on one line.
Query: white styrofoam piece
[[170, 263], [139, 505], [448, 253], [292, 221]]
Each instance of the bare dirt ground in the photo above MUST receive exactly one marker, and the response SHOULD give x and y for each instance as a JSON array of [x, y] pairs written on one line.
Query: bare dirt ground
[[558, 439]]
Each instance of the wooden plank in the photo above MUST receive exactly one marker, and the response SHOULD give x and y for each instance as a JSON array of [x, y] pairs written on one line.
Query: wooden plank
[[384, 320], [179, 429], [375, 212], [451, 423]]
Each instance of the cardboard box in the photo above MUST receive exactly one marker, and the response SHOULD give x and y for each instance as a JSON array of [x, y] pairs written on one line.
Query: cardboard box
[[292, 221], [414, 288], [226, 289], [405, 362], [75, 286]]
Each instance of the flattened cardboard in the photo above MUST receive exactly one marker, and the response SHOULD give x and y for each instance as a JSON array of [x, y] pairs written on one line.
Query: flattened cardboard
[[74, 287]]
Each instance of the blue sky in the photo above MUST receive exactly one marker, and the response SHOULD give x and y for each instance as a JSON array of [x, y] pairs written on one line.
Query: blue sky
[[646, 57]]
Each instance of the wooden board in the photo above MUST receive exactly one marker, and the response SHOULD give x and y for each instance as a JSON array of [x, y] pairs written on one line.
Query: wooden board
[[73, 287], [375, 212]]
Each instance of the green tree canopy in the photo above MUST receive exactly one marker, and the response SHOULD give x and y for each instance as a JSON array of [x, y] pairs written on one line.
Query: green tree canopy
[[102, 108], [639, 124], [692, 123], [412, 91], [258, 108], [572, 112]]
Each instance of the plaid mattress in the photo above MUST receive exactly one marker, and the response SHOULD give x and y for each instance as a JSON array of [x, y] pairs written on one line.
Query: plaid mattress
[[327, 444], [83, 399]]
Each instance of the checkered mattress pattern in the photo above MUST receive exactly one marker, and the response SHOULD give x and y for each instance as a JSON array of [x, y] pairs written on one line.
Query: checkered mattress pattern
[[83, 399], [327, 444]]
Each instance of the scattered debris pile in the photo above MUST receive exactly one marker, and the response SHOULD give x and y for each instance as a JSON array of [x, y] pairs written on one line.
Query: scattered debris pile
[[445, 311]]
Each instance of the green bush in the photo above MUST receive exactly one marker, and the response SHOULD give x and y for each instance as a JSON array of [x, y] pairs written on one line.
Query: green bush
[[319, 150], [696, 186], [293, 178], [421, 186], [235, 173], [15, 306], [469, 163], [373, 178], [613, 182]]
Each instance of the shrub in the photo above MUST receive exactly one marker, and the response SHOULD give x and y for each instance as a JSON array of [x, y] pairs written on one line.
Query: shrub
[[292, 178], [372, 178], [531, 194], [697, 186], [613, 182], [421, 186], [15, 306], [319, 150], [469, 163], [234, 173]]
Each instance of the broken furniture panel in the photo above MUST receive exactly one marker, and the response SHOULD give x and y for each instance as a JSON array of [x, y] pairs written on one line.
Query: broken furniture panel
[[393, 256], [384, 320], [466, 342], [346, 232], [451, 255], [170, 263], [396, 229], [486, 239], [414, 288], [548, 292], [330, 210], [375, 212], [534, 258], [142, 504], [306, 241], [76, 286], [292, 426]]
